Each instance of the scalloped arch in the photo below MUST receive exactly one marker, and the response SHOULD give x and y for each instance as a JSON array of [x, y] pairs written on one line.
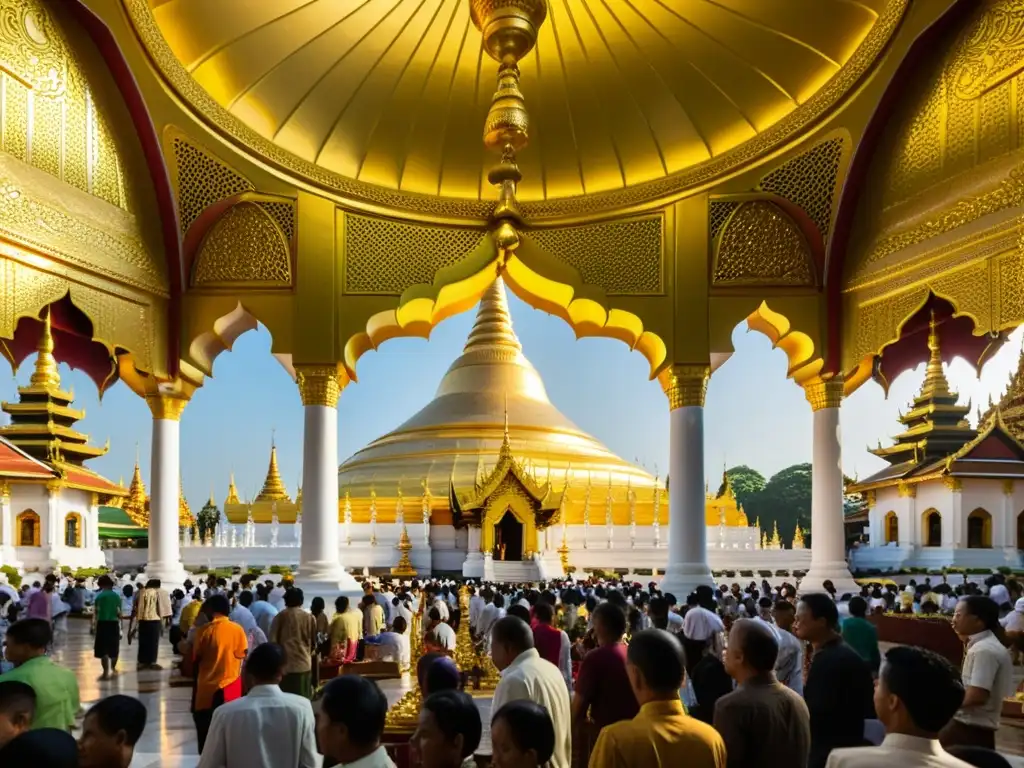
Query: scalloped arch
[[533, 275], [804, 363]]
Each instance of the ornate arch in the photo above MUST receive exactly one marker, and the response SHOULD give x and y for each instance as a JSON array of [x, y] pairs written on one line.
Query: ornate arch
[[73, 536], [520, 509], [27, 529], [979, 529], [927, 518], [891, 527]]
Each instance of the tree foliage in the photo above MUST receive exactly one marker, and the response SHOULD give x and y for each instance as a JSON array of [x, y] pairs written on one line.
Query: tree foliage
[[207, 521], [785, 499], [746, 484]]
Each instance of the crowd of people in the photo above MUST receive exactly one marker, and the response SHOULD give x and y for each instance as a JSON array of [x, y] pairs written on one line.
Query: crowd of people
[[599, 673]]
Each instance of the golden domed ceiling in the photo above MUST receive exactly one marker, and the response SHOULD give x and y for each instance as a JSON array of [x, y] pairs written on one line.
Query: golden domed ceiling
[[621, 93]]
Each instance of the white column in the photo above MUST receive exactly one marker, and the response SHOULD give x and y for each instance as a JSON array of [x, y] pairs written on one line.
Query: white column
[[52, 535], [828, 540], [1008, 541], [687, 567], [320, 568], [164, 561]]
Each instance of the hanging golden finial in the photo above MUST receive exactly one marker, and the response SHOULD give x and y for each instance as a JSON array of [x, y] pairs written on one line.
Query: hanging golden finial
[[46, 375]]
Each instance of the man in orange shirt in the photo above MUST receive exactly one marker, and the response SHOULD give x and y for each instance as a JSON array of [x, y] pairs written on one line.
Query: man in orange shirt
[[218, 653]]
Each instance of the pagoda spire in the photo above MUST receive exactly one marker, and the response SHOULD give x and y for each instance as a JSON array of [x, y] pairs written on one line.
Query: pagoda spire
[[136, 505], [46, 375], [232, 492], [273, 486], [493, 326], [935, 384]]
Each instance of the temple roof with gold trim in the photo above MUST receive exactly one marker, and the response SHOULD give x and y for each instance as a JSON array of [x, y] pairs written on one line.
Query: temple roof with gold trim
[[723, 508]]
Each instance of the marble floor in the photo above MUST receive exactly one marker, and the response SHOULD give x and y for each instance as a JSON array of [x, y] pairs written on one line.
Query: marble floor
[[169, 740]]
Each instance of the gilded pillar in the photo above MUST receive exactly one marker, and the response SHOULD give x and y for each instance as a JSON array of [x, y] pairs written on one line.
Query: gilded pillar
[[164, 560], [6, 517], [828, 538], [685, 386]]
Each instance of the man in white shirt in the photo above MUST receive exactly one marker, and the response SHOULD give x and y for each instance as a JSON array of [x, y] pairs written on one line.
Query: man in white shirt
[[488, 615], [789, 662], [350, 723], [999, 593], [442, 635], [267, 728], [394, 644], [276, 597], [987, 675], [525, 675], [476, 605], [917, 693]]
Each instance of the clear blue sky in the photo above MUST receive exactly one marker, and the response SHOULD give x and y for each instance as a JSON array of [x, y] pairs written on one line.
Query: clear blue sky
[[754, 416]]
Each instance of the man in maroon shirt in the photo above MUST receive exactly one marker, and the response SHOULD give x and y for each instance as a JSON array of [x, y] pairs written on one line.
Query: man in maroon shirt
[[602, 687]]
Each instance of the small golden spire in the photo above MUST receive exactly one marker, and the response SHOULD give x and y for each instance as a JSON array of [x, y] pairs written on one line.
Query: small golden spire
[[135, 504], [798, 538], [273, 486], [776, 542], [232, 492], [935, 384], [45, 375]]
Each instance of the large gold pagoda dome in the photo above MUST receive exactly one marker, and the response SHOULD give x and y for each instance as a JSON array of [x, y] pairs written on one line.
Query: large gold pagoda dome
[[456, 438], [621, 94]]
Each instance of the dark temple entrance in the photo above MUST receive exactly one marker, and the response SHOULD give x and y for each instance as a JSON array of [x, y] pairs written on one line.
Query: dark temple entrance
[[508, 538]]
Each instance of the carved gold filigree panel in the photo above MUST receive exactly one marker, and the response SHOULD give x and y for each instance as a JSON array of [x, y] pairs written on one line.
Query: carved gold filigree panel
[[718, 213], [622, 257], [383, 256], [809, 180], [244, 246], [202, 180], [1009, 270], [761, 245], [991, 53], [49, 115]]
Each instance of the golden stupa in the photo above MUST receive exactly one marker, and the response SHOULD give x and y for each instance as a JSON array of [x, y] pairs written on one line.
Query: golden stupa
[[272, 500], [457, 438], [723, 508]]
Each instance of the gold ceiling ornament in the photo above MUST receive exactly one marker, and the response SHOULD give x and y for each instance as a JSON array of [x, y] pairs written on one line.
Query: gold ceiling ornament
[[685, 384], [824, 392], [320, 384]]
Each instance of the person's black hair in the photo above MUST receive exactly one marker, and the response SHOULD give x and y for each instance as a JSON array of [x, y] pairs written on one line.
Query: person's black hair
[[980, 757], [441, 675], [265, 661], [456, 714], [784, 605], [984, 609], [612, 618], [341, 604], [317, 606], [759, 646], [17, 698], [519, 612], [423, 665], [35, 633], [530, 726], [153, 584], [928, 685], [217, 604], [120, 713], [859, 606], [128, 590], [544, 612], [658, 655], [357, 703], [822, 606], [513, 632], [105, 582], [399, 625], [293, 597], [49, 747], [245, 599], [434, 614]]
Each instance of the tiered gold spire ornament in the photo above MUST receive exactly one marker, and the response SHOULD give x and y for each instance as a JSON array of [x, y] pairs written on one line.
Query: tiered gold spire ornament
[[185, 518], [403, 716], [465, 655], [273, 499], [137, 505], [232, 492], [776, 542], [798, 538], [404, 569], [273, 485]]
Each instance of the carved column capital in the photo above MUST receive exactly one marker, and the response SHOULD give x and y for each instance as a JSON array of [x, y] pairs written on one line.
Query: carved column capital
[[168, 407], [824, 393], [685, 384], [320, 384]]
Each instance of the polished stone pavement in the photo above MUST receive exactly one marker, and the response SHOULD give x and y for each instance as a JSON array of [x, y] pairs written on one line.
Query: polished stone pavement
[[169, 740]]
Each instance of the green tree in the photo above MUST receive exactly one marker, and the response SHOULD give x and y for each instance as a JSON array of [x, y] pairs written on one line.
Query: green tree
[[746, 484], [207, 520], [786, 500]]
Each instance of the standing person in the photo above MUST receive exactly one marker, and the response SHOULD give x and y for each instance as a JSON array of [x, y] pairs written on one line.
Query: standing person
[[107, 613], [763, 723], [602, 687], [522, 736], [525, 675], [56, 687], [987, 675], [861, 635], [917, 693], [350, 723], [661, 734], [789, 667], [261, 610], [345, 632], [295, 630], [373, 616], [266, 728], [839, 688], [110, 731], [218, 653], [448, 731], [152, 607], [552, 643], [40, 602]]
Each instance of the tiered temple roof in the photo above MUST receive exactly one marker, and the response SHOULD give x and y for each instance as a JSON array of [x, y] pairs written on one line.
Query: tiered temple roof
[[43, 425], [1011, 404], [723, 508], [272, 500]]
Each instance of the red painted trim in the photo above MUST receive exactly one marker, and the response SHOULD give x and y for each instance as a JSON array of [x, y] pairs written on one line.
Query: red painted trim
[[159, 175], [849, 200]]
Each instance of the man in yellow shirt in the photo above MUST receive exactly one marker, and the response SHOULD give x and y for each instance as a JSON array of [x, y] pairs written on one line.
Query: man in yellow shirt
[[662, 733]]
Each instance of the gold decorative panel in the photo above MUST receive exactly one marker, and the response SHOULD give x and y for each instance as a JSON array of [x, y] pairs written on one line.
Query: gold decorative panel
[[761, 245], [718, 213], [383, 256], [809, 180], [284, 216], [202, 181], [49, 115], [1010, 274], [622, 257], [244, 246]]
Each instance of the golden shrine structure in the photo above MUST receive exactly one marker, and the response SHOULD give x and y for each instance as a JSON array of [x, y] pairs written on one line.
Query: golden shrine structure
[[834, 174]]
